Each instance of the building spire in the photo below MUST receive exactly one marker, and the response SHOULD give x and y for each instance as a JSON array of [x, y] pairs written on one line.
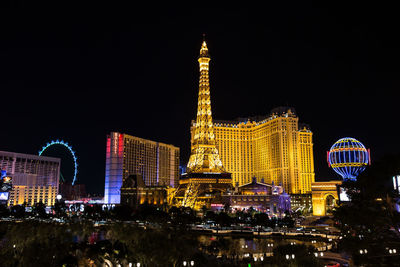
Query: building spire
[[204, 49], [204, 153]]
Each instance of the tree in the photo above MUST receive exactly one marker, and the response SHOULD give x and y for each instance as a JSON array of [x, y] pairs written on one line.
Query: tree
[[4, 211], [39, 210], [240, 217], [34, 243], [261, 219], [288, 221], [210, 216], [204, 210], [369, 221], [60, 208], [303, 256], [227, 207], [223, 219], [18, 211], [122, 212]]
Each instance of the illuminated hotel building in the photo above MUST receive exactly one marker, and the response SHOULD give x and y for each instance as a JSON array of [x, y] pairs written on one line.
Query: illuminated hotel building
[[34, 178], [127, 155], [273, 148]]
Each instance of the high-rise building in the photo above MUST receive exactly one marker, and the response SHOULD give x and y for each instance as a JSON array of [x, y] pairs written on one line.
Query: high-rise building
[[274, 148], [205, 177], [34, 178], [127, 155]]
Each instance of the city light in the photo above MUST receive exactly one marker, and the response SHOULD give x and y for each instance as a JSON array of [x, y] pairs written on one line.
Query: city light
[[288, 256]]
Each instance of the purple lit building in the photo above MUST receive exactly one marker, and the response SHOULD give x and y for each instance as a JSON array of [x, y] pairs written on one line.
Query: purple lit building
[[263, 197]]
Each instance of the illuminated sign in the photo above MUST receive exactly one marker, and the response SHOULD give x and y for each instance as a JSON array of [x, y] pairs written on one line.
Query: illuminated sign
[[6, 183], [396, 183], [4, 196], [343, 196], [3, 173]]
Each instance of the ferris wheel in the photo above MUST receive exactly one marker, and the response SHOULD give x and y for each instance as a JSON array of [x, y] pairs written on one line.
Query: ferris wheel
[[72, 152]]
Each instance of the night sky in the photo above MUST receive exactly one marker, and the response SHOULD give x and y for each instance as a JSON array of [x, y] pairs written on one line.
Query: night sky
[[79, 77]]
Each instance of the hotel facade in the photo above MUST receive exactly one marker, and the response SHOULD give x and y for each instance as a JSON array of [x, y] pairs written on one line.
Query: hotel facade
[[34, 178], [275, 149], [128, 155]]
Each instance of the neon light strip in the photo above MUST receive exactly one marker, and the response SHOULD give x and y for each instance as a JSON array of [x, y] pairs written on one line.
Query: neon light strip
[[65, 144]]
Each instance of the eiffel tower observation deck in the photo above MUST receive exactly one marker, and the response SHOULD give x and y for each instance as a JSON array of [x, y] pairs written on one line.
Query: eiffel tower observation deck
[[206, 176]]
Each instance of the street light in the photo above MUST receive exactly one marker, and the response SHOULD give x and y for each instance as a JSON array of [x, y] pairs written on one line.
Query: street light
[[191, 263], [184, 263]]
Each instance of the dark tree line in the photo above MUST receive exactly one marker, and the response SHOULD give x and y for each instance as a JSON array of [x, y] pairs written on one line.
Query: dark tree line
[[370, 223]]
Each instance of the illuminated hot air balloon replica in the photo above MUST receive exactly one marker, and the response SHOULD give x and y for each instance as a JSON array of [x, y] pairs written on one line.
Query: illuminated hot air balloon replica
[[348, 157]]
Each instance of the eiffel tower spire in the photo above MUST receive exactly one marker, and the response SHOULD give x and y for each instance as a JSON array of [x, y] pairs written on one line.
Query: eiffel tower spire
[[204, 155]]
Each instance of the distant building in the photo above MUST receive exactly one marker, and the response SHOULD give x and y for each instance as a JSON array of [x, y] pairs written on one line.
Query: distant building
[[72, 192], [34, 178], [301, 203], [127, 155], [259, 196], [134, 192]]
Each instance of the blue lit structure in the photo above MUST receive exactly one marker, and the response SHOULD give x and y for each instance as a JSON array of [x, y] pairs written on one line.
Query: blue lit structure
[[348, 157], [65, 144]]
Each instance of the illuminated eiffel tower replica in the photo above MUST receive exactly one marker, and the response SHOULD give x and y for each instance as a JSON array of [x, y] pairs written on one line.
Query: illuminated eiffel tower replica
[[206, 178]]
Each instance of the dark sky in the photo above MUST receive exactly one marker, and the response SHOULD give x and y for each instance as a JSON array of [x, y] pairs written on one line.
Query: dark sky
[[133, 70]]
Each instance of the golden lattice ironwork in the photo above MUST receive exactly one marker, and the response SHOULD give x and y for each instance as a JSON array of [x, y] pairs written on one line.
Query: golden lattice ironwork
[[204, 155], [190, 196]]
